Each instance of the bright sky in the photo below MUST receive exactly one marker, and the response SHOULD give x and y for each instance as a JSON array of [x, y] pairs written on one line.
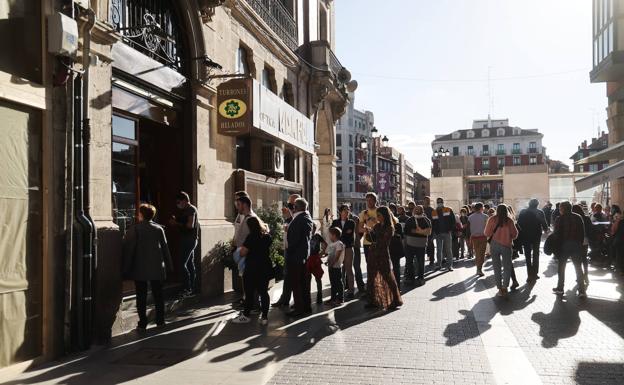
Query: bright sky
[[422, 68]]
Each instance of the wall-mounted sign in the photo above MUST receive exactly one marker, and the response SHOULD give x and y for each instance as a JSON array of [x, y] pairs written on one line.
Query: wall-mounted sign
[[234, 99], [244, 104]]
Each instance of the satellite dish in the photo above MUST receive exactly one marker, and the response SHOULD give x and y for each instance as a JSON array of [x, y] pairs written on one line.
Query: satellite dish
[[344, 76], [352, 85]]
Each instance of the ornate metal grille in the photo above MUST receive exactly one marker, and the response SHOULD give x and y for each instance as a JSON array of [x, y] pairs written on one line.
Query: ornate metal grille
[[279, 18], [151, 27]]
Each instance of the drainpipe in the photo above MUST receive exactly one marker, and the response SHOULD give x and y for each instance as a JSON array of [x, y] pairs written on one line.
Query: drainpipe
[[84, 227]]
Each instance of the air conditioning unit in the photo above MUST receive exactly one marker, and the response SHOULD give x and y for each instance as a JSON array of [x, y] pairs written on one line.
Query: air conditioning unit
[[273, 161]]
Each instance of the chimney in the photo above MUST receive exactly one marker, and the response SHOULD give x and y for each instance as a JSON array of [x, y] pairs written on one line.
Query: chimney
[[584, 144]]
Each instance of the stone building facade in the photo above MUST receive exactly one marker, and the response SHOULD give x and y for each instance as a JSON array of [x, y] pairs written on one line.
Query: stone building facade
[[354, 172], [132, 116]]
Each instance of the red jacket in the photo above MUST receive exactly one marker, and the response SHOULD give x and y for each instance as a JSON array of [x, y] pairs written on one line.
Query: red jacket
[[315, 266]]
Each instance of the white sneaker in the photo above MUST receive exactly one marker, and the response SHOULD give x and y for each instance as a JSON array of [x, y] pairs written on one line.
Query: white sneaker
[[264, 321], [241, 319]]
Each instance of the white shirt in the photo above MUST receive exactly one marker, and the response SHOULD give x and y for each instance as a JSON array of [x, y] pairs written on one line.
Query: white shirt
[[335, 254]]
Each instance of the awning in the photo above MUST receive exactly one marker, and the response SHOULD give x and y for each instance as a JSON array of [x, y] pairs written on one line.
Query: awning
[[605, 175], [615, 151]]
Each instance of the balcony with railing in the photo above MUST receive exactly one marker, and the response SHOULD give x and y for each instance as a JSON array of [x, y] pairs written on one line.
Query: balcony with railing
[[485, 153], [320, 55], [516, 151], [279, 18], [501, 152], [532, 150]]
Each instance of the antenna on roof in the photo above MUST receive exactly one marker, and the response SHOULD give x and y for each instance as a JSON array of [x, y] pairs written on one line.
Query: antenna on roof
[[490, 103]]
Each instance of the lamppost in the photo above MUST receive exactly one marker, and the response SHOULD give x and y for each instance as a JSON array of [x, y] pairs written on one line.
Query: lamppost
[[373, 153], [437, 154]]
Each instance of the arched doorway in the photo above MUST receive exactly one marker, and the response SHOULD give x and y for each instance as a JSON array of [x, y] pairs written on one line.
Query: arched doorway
[[153, 127]]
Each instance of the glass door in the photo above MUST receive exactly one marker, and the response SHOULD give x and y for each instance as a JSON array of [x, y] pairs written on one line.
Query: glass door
[[124, 171]]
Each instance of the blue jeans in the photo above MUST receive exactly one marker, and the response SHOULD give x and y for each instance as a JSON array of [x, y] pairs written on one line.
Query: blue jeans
[[240, 261], [444, 248], [501, 258], [187, 252]]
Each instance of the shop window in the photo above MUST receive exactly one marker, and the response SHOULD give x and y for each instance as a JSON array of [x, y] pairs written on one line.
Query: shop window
[[20, 28], [516, 161], [533, 160], [124, 171]]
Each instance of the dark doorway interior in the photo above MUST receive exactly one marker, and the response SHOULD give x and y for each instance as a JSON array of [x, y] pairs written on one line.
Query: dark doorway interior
[[161, 177]]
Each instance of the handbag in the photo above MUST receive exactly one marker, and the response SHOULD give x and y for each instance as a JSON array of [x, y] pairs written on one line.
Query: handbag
[[552, 244]]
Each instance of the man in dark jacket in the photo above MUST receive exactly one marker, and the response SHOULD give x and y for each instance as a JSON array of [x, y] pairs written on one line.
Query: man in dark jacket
[[347, 237], [532, 223], [443, 224], [284, 299], [428, 210], [417, 230], [298, 239], [547, 209], [570, 235]]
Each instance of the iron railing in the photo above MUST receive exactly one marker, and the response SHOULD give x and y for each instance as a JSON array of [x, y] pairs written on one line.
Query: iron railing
[[279, 19], [151, 27]]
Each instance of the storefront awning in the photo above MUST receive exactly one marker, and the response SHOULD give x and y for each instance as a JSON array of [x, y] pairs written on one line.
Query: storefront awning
[[615, 151], [605, 175]]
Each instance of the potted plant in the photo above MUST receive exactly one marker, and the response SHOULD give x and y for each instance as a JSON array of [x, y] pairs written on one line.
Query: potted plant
[[272, 217]]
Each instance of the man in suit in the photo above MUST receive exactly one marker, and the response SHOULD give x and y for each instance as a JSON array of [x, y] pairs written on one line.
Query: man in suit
[[347, 228], [297, 251], [287, 214]]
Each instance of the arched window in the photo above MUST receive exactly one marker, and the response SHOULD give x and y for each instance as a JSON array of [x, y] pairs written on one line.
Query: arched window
[[470, 134], [500, 132], [485, 133]]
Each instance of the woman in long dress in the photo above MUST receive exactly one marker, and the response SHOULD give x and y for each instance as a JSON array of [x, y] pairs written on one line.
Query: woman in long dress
[[382, 286]]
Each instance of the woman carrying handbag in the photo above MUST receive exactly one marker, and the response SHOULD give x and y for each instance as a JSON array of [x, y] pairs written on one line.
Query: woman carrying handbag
[[501, 231], [147, 259]]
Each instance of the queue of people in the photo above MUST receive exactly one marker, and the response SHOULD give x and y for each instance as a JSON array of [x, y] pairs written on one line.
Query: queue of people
[[386, 235]]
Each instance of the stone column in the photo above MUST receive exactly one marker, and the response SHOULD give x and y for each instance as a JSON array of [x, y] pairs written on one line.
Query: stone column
[[327, 184], [615, 122]]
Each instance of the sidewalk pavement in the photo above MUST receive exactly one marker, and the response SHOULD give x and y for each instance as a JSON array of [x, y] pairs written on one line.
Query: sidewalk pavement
[[450, 331]]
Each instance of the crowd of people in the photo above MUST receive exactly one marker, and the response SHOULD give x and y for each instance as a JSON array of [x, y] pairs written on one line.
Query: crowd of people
[[428, 238]]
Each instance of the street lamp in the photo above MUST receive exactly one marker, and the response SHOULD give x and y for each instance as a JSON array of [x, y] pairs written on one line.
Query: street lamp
[[384, 141], [441, 152], [363, 143], [374, 132]]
